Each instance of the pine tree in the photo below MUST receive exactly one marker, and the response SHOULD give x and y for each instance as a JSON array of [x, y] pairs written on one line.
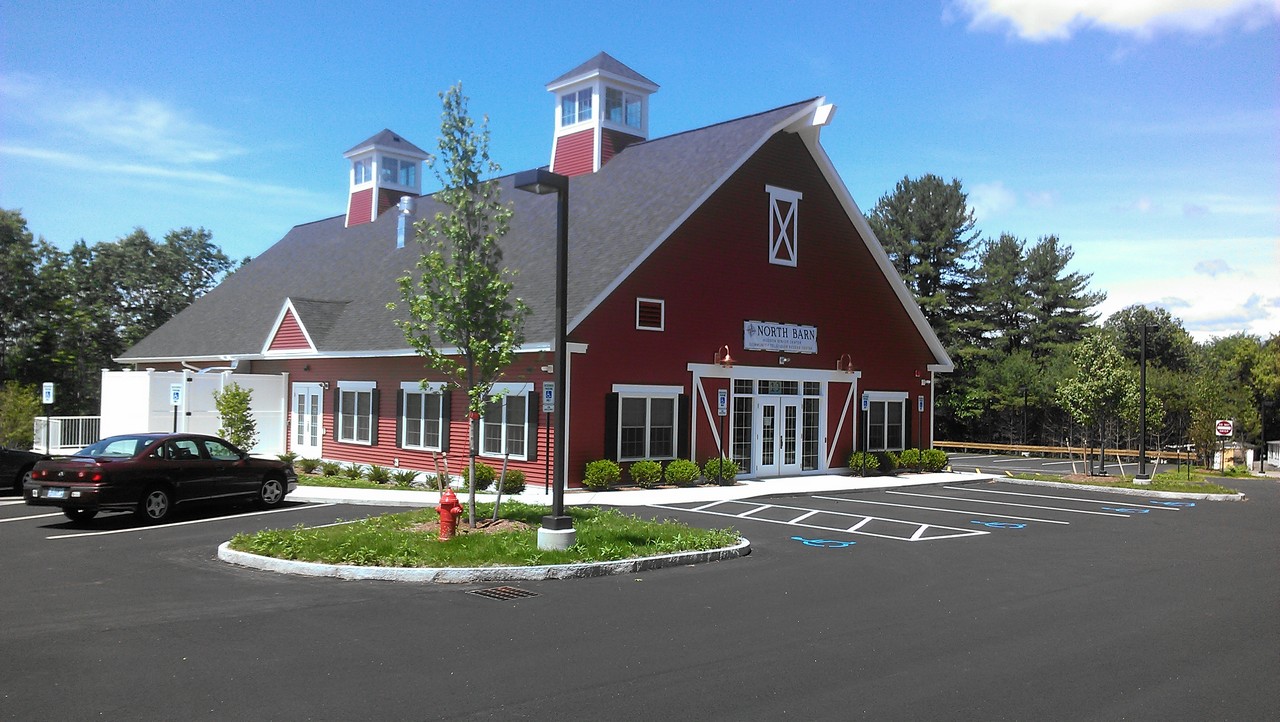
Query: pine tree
[[1061, 303]]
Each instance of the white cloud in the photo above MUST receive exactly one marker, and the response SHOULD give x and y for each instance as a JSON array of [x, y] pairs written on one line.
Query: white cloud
[[988, 199], [1059, 19], [1212, 268]]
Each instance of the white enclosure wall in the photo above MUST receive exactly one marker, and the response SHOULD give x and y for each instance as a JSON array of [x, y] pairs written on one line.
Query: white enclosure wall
[[135, 401]]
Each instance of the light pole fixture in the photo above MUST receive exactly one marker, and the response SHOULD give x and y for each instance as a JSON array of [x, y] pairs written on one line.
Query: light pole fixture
[[557, 529], [723, 358], [1023, 389], [1143, 477]]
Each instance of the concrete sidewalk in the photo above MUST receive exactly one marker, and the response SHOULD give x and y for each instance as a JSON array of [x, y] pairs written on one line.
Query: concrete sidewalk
[[744, 489]]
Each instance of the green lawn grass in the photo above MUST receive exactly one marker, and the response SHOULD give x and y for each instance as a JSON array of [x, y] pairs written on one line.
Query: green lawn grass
[[1167, 481], [390, 540]]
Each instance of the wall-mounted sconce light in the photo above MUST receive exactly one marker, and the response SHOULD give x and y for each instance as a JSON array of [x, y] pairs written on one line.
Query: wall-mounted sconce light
[[845, 364], [306, 367], [324, 385], [923, 380], [784, 360], [723, 358]]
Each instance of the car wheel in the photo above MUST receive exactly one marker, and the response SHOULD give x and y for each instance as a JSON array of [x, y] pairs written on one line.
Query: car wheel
[[80, 515], [22, 478], [271, 493], [155, 505]]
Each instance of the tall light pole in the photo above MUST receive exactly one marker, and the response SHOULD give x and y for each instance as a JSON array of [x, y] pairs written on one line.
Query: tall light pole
[[557, 530], [1143, 477], [1023, 389]]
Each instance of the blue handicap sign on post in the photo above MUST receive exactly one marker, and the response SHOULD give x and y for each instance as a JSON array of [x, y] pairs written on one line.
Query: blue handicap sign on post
[[1000, 524], [824, 543]]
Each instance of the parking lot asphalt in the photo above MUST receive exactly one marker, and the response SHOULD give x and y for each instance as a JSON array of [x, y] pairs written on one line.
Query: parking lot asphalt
[[853, 605]]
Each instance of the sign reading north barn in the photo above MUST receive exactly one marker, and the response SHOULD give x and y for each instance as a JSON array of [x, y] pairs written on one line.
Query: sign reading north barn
[[785, 337]]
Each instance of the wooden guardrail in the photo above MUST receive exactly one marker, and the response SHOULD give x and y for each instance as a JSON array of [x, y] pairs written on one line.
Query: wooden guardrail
[[1152, 454]]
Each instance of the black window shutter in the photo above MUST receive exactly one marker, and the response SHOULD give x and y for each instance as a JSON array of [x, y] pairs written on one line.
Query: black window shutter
[[399, 443], [445, 394], [336, 405], [374, 413], [906, 424], [533, 405], [611, 427], [682, 427]]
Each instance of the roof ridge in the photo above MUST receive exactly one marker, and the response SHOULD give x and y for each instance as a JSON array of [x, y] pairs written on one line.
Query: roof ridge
[[723, 122]]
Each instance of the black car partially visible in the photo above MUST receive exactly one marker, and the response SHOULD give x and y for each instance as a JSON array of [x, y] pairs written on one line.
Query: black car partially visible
[[15, 467], [150, 474]]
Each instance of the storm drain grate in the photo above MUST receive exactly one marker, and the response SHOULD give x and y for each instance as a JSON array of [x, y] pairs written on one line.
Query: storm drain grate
[[503, 593]]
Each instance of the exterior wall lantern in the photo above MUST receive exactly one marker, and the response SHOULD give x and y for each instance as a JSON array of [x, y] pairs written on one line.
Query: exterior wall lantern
[[845, 364], [723, 358]]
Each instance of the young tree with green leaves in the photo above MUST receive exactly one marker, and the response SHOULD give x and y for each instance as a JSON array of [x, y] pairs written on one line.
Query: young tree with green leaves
[[19, 406], [238, 425], [461, 297], [1102, 390]]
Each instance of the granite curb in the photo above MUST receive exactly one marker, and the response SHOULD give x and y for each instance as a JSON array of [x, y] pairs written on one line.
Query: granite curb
[[472, 575], [1129, 492]]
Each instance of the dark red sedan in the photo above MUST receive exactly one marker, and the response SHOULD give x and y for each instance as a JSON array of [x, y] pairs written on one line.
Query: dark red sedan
[[149, 474]]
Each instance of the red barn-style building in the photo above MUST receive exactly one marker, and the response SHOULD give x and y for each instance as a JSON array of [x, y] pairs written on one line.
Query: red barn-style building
[[726, 295]]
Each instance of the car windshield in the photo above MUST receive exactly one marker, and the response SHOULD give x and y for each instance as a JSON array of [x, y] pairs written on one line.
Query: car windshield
[[116, 446]]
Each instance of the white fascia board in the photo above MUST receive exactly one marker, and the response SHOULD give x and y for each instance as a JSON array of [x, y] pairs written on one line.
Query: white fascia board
[[872, 243], [579, 348], [680, 220], [613, 78]]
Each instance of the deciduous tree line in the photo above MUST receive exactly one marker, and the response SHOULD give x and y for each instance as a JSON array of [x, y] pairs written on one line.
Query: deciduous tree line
[[64, 315], [1032, 363]]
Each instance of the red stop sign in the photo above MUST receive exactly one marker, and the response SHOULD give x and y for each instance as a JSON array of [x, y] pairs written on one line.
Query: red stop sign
[[1225, 427]]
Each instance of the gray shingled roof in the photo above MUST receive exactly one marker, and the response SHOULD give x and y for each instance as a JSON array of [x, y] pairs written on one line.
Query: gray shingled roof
[[606, 63], [388, 139], [340, 279]]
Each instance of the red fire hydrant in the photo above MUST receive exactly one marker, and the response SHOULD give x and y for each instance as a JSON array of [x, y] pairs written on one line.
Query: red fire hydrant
[[449, 510]]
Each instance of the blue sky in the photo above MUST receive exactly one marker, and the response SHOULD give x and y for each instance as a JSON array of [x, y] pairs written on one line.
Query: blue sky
[[1144, 133]]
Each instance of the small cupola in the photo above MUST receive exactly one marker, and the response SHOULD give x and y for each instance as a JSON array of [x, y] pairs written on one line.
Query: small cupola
[[383, 169], [602, 106]]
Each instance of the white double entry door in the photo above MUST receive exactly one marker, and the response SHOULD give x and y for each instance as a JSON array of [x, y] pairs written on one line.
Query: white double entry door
[[777, 436], [305, 424]]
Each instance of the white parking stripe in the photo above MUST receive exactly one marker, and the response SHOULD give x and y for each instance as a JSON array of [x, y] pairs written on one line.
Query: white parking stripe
[[917, 535], [34, 516], [184, 523], [950, 511], [1064, 498], [12, 503], [1008, 503]]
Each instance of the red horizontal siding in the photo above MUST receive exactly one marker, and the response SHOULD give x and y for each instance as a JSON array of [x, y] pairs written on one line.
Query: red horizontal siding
[[289, 336], [574, 154], [358, 207], [613, 141]]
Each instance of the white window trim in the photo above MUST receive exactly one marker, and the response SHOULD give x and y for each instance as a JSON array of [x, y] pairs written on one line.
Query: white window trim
[[662, 314], [633, 391], [899, 396], [499, 393], [429, 388], [357, 387], [784, 231]]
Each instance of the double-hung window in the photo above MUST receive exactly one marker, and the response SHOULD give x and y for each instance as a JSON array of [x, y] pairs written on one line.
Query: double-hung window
[[647, 422], [504, 425], [357, 413], [886, 419], [423, 422]]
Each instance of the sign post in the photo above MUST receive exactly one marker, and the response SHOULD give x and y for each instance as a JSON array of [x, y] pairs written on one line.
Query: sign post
[[1225, 428], [548, 406], [175, 400], [722, 410], [46, 397]]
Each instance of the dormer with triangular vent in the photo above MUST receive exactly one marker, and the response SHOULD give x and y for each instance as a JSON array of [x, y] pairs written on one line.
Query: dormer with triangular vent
[[602, 106], [383, 168]]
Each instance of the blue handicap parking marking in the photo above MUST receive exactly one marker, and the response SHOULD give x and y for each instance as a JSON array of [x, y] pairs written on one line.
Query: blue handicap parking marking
[[1126, 510], [1000, 524], [1173, 503], [824, 543]]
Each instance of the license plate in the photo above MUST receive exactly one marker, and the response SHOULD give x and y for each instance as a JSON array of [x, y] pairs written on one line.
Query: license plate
[[58, 493]]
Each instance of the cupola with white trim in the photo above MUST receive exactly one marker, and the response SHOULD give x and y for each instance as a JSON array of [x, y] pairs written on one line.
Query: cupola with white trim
[[602, 106], [383, 169]]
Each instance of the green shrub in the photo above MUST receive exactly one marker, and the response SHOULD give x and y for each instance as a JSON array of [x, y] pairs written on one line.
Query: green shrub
[[354, 471], [909, 459], [1237, 470], [288, 457], [238, 424], [861, 461], [19, 405], [646, 474], [888, 461], [721, 469], [513, 482], [308, 466], [935, 459], [404, 477], [682, 472], [484, 476], [601, 474], [439, 482], [378, 474], [330, 468]]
